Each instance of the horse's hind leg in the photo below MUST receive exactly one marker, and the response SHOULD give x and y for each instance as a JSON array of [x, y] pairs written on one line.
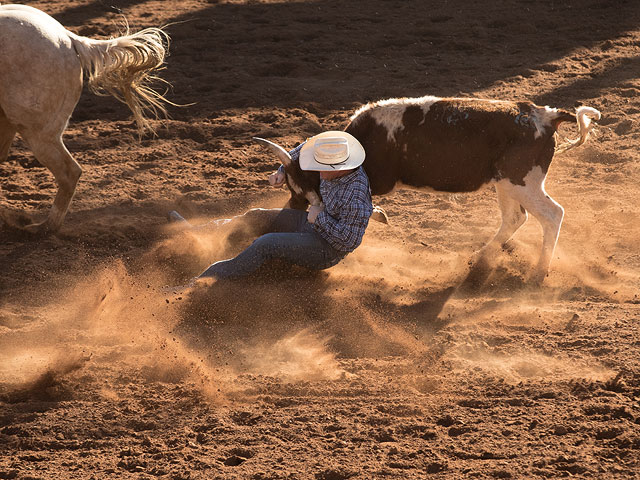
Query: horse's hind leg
[[6, 138], [51, 153], [7, 132]]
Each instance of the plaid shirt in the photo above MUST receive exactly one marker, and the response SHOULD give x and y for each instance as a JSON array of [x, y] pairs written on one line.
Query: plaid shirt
[[347, 208]]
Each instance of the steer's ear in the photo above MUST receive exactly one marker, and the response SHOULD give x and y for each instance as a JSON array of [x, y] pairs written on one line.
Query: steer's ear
[[280, 152]]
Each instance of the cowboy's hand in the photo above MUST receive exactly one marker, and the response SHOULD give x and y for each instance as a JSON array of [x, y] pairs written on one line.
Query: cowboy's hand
[[276, 179], [314, 211]]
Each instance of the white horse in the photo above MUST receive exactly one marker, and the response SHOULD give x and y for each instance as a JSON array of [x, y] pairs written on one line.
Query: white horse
[[41, 76]]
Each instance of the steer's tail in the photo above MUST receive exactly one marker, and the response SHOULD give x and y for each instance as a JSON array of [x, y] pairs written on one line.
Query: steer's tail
[[583, 117], [123, 67]]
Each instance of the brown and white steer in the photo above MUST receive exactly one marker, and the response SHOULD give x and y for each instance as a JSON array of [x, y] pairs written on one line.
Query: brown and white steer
[[459, 145]]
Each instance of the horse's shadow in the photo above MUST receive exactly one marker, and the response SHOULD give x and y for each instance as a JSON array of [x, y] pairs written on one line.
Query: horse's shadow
[[12, 226]]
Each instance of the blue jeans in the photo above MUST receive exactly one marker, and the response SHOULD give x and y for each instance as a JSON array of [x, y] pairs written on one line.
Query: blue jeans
[[285, 235]]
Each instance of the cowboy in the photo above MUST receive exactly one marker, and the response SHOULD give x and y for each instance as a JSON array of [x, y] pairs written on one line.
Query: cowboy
[[317, 239]]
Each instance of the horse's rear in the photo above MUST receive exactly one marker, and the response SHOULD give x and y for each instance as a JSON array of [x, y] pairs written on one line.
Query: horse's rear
[[41, 77], [40, 84]]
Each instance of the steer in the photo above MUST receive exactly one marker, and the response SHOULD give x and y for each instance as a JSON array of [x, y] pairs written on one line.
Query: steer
[[459, 145]]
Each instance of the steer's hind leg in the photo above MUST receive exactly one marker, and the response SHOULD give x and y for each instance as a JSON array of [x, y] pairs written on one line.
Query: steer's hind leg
[[513, 217], [51, 153], [533, 197]]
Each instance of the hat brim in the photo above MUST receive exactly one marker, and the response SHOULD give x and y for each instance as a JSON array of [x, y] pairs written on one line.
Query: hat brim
[[356, 154]]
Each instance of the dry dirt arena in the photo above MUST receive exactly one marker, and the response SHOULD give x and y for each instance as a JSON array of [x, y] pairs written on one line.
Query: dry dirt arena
[[378, 368]]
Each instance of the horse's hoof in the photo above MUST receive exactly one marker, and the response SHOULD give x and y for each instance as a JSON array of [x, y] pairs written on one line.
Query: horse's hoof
[[43, 228], [537, 279]]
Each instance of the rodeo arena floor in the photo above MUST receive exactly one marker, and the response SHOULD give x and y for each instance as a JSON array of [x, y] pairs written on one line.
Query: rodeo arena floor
[[378, 368]]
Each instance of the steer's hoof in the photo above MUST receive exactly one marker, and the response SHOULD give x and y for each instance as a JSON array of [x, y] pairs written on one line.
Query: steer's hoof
[[476, 277]]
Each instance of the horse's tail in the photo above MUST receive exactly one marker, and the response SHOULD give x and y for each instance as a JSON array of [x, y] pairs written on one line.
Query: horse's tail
[[123, 67]]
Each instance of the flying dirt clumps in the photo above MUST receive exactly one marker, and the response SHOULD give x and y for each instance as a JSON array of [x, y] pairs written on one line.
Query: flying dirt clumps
[[51, 385]]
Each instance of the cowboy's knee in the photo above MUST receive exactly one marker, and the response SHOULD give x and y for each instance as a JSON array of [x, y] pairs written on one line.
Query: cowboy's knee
[[264, 242]]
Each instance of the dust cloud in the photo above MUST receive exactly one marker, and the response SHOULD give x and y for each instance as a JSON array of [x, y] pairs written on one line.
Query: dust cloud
[[388, 298], [108, 319], [518, 366], [301, 356]]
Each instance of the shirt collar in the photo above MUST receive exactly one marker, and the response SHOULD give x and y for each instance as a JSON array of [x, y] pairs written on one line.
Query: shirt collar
[[347, 178]]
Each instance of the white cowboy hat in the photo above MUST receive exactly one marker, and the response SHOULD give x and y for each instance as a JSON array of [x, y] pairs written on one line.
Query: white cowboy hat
[[331, 151]]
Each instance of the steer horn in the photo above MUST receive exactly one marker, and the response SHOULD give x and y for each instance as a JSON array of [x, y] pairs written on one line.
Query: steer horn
[[280, 152]]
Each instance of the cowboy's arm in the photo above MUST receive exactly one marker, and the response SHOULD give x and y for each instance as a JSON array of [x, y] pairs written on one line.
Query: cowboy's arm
[[345, 232], [277, 178]]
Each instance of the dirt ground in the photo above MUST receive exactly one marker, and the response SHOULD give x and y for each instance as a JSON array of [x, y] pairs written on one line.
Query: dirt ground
[[378, 367]]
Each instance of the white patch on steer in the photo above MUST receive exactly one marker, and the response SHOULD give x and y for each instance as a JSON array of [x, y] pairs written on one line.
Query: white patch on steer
[[533, 182], [543, 118], [294, 186], [388, 113], [535, 198]]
